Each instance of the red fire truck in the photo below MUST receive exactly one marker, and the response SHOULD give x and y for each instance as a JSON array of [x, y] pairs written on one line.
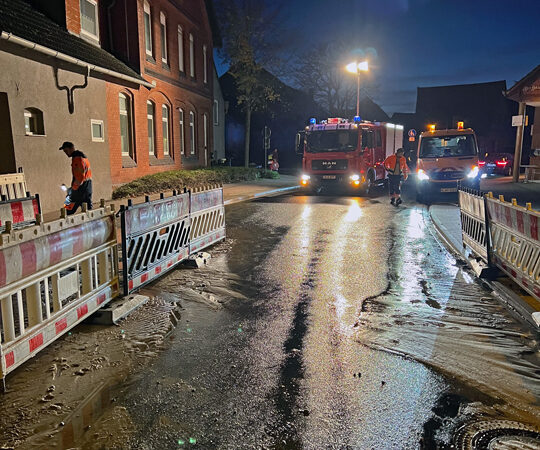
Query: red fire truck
[[338, 152]]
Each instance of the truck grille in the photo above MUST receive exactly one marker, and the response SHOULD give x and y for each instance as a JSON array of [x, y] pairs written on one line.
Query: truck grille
[[335, 164], [447, 175]]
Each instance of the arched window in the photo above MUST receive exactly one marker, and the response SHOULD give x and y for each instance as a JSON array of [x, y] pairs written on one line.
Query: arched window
[[126, 125], [205, 137], [205, 65], [182, 132], [150, 118], [192, 131], [33, 122], [165, 126], [148, 28]]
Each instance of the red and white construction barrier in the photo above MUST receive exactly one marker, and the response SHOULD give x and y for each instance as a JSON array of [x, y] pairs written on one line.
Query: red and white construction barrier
[[515, 243], [52, 276], [19, 213], [12, 186], [207, 219]]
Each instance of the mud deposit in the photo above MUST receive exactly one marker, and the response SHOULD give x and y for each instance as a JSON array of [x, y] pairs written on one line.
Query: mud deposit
[[54, 399]]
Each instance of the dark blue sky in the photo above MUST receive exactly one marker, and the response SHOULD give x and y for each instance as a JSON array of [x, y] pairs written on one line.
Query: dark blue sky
[[424, 42]]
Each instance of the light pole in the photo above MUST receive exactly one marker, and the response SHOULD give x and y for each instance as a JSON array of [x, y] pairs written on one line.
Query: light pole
[[357, 67]]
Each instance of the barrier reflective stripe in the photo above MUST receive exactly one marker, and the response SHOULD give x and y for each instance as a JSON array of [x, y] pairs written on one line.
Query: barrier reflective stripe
[[515, 246], [155, 237], [207, 219], [70, 270]]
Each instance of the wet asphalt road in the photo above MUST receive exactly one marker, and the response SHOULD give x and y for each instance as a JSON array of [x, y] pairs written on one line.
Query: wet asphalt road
[[332, 322]]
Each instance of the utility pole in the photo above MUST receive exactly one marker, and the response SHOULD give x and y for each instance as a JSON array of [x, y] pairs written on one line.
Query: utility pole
[[519, 143]]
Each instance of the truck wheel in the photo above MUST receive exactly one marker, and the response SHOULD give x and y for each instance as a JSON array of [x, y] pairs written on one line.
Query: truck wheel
[[370, 184]]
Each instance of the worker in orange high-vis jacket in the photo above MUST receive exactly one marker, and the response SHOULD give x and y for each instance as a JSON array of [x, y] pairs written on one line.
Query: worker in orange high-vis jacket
[[81, 184], [396, 166]]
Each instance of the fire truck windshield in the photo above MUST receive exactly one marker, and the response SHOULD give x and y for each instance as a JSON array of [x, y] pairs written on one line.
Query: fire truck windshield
[[332, 141], [448, 146]]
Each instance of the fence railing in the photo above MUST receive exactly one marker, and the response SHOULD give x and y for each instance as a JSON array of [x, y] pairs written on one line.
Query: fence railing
[[207, 218], [19, 213], [509, 238], [52, 276]]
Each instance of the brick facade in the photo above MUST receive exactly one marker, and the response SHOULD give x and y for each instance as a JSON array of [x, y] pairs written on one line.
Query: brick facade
[[73, 16], [174, 88]]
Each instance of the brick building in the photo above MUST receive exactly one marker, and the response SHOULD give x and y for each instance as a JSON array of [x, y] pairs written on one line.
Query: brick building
[[169, 126], [110, 76]]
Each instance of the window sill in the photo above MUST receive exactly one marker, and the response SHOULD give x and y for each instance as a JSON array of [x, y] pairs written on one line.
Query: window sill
[[165, 66], [35, 135], [128, 162], [165, 161], [150, 59]]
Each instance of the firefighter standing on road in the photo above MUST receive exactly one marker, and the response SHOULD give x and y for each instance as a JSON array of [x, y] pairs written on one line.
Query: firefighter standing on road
[[396, 166], [81, 185]]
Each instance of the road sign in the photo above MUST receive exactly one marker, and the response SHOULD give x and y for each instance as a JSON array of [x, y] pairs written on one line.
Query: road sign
[[412, 133], [412, 138], [517, 121]]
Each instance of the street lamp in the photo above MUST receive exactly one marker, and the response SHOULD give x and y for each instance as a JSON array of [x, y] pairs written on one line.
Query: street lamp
[[357, 67]]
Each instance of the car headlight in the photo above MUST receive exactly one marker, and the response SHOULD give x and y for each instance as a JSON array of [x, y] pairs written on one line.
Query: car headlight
[[305, 177], [355, 177], [474, 172], [422, 175]]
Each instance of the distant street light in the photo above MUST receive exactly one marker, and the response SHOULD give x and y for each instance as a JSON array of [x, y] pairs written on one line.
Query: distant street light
[[357, 67]]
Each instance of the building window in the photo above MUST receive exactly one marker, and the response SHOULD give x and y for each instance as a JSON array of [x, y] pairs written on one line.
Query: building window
[[216, 112], [180, 49], [165, 125], [89, 18], [205, 69], [126, 125], [148, 29], [150, 114], [33, 122], [163, 34], [191, 57], [192, 131], [182, 133], [205, 131], [96, 127]]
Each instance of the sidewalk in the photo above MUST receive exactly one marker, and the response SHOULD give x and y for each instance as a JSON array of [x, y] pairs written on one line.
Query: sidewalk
[[523, 192], [232, 193], [447, 221]]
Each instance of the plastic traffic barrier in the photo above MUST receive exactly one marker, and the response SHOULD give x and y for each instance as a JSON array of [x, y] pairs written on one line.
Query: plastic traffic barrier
[[473, 222], [19, 213], [515, 243], [13, 186], [155, 237], [53, 276], [207, 218]]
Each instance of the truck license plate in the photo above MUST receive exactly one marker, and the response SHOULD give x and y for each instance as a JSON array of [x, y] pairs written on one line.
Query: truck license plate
[[329, 177], [449, 189]]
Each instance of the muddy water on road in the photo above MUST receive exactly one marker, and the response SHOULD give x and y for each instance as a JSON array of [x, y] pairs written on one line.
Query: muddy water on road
[[327, 322]]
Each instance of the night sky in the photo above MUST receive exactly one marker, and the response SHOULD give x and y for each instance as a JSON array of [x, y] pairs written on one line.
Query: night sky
[[414, 43]]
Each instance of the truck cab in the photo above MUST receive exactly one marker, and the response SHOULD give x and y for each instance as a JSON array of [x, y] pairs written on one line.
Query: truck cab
[[445, 160], [348, 154]]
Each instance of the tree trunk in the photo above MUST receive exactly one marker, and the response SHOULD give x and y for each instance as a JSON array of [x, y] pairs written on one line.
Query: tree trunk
[[247, 136]]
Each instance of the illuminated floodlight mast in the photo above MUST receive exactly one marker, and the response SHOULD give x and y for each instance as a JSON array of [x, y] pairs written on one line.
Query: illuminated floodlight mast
[[357, 67]]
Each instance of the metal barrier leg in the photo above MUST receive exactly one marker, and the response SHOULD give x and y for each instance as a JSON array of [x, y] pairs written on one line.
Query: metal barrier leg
[[7, 319], [57, 304], [33, 304]]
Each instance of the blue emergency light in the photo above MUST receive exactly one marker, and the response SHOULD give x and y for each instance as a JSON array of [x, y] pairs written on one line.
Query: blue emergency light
[[313, 121], [357, 119]]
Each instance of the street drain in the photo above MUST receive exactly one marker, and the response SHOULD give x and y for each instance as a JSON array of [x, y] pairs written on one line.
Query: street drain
[[497, 435]]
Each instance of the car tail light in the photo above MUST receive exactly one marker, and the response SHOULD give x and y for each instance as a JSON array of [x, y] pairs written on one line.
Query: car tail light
[[481, 163], [501, 163]]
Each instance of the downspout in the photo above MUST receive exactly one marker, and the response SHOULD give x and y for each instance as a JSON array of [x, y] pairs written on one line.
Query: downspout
[[66, 58]]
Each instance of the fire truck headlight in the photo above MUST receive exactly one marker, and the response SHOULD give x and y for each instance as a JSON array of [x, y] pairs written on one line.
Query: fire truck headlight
[[474, 172], [422, 175], [355, 177]]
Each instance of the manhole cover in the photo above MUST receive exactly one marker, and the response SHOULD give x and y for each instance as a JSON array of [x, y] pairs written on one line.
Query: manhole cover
[[497, 435]]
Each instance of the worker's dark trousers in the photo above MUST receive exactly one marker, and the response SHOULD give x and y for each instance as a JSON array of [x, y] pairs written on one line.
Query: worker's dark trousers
[[80, 196], [394, 184]]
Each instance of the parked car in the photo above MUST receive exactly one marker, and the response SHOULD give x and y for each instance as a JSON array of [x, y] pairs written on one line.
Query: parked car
[[496, 164]]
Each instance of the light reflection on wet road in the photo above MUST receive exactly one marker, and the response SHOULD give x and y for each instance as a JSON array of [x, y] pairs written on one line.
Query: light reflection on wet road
[[340, 323]]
